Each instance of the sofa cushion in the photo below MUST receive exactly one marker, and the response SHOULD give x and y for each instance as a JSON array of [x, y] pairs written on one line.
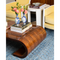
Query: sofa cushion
[[8, 6], [12, 14], [23, 2], [50, 18], [50, 26]]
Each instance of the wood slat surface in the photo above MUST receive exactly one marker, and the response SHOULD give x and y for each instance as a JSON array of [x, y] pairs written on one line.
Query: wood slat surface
[[29, 40]]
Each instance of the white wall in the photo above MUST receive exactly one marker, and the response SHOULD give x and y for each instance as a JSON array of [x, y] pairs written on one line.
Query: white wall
[[8, 1]]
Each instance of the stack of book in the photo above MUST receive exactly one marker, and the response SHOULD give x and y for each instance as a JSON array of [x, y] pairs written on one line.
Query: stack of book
[[21, 28]]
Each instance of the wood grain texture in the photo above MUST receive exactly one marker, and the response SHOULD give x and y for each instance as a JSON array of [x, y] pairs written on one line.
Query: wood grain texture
[[50, 2], [29, 40], [41, 1]]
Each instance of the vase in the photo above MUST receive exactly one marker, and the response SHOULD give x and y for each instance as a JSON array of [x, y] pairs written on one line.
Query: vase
[[24, 19], [17, 21]]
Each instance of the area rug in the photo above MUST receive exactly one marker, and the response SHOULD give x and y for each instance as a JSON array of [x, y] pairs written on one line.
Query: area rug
[[44, 51]]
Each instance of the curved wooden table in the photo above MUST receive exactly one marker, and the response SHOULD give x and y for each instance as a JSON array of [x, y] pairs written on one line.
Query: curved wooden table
[[29, 39]]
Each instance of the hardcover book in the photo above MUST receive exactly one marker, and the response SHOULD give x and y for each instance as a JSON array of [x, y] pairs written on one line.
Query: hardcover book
[[21, 28]]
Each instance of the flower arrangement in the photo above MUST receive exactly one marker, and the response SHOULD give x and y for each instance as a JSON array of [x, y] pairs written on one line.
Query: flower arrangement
[[24, 10], [16, 8]]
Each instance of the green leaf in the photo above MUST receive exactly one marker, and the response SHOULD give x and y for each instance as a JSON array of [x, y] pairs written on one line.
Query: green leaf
[[17, 3], [12, 7], [24, 7], [12, 10], [17, 7], [16, 13], [20, 6]]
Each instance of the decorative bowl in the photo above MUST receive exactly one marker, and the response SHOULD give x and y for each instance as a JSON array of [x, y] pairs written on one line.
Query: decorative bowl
[[36, 4]]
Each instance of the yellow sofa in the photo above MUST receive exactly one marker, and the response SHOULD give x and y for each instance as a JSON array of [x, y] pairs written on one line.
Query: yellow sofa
[[49, 17], [10, 15]]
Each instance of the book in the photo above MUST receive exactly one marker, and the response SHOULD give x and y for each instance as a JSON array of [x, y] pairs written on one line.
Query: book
[[21, 28]]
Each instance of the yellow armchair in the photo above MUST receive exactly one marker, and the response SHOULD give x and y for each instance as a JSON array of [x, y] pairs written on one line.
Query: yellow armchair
[[10, 15], [49, 17]]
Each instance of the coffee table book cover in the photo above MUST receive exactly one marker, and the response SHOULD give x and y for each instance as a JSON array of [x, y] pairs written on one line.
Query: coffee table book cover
[[21, 28]]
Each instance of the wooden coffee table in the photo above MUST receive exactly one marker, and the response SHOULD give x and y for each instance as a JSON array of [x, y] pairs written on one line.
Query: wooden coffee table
[[29, 39]]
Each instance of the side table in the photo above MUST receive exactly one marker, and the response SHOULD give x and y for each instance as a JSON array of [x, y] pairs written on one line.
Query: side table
[[39, 14]]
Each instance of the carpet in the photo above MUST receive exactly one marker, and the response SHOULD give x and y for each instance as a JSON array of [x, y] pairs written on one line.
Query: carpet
[[44, 51]]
